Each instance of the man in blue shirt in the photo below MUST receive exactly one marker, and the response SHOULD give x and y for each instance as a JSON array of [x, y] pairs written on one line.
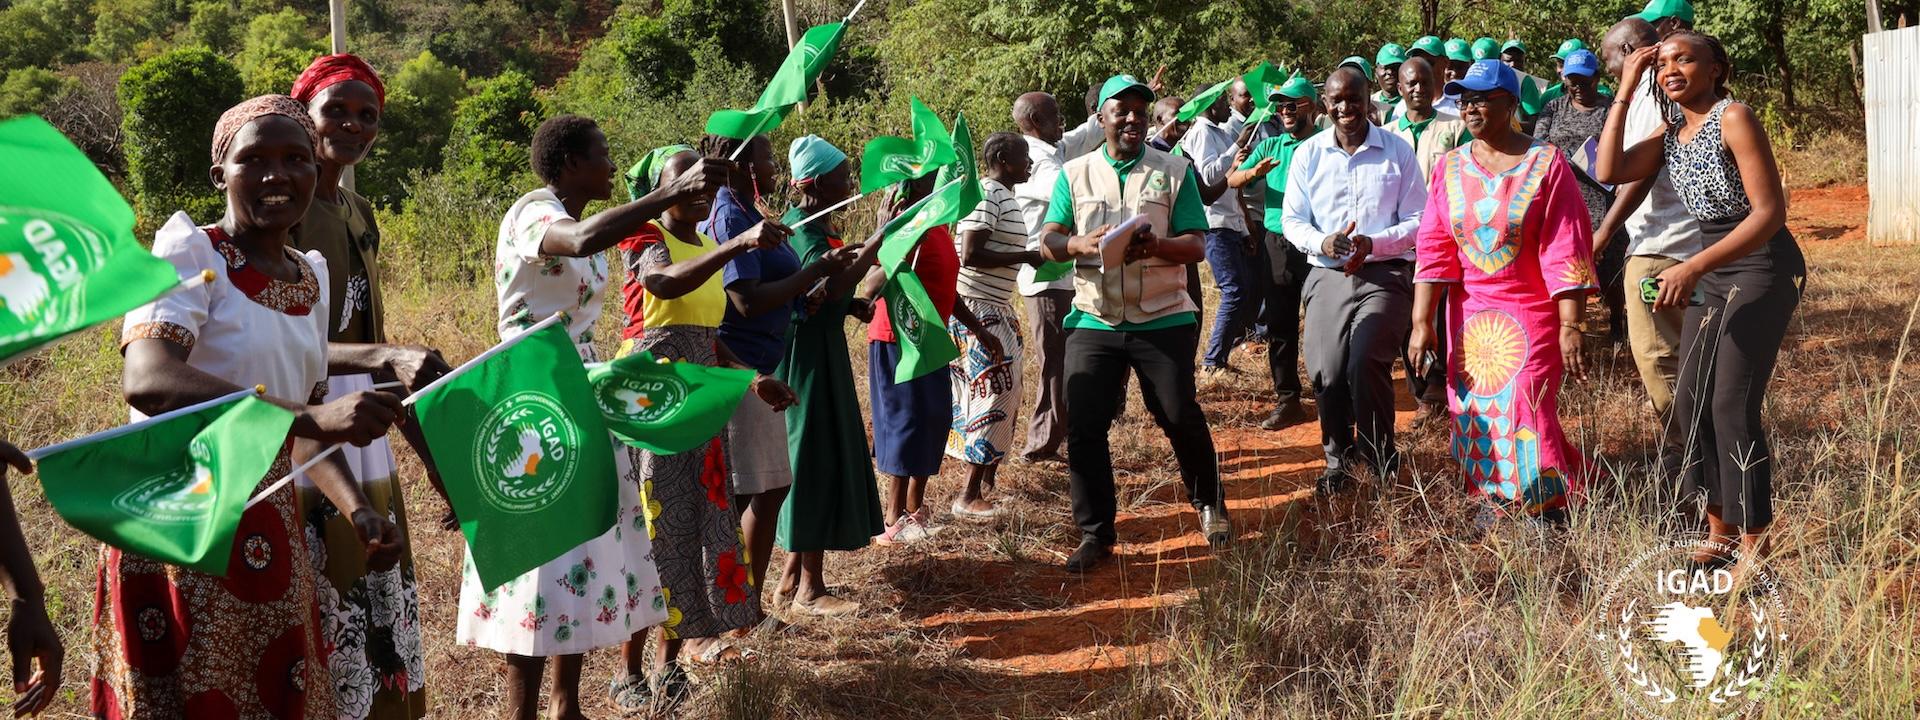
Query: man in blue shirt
[[1353, 202]]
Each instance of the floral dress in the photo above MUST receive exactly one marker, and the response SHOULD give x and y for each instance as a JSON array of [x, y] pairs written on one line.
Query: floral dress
[[169, 642], [371, 620], [689, 496], [1511, 244], [602, 592]]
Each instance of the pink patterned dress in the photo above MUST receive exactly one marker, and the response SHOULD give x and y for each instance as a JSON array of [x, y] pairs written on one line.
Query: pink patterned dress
[[1512, 244]]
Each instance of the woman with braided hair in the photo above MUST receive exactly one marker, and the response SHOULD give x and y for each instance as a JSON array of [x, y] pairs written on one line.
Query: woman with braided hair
[[1739, 291]]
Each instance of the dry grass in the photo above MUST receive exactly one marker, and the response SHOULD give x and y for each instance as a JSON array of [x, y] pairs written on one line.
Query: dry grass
[[1395, 606], [1827, 159]]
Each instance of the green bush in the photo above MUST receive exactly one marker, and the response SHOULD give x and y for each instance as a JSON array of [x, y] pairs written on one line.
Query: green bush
[[414, 127], [43, 32], [487, 149], [215, 24], [27, 90], [126, 29], [171, 104], [278, 46], [654, 59]]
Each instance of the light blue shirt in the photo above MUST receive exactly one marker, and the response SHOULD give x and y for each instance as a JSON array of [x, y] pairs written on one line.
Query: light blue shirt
[[1378, 188]]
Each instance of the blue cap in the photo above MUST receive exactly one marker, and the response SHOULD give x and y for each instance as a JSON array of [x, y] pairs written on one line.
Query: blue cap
[[1486, 75], [1581, 62]]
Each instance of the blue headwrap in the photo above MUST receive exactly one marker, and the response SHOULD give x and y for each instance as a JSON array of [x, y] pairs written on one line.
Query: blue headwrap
[[810, 157]]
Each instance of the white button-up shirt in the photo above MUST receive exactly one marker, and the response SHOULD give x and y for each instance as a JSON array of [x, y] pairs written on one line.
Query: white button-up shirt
[[1210, 146], [1379, 188], [1032, 196]]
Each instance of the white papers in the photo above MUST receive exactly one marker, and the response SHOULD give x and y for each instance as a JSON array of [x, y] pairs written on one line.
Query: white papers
[[1113, 246]]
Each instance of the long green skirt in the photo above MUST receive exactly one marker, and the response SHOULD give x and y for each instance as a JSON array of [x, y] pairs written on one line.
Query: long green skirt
[[834, 503]]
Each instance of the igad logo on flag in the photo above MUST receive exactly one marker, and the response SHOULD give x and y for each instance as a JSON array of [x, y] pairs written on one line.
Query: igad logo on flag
[[55, 253], [1681, 639], [521, 453], [642, 400], [175, 496]]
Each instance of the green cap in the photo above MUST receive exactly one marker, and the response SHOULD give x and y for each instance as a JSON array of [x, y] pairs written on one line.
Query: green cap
[[1390, 54], [1658, 10], [1429, 45], [1512, 46], [1296, 87], [1123, 83], [1457, 50], [1486, 48], [1359, 63], [1568, 47]]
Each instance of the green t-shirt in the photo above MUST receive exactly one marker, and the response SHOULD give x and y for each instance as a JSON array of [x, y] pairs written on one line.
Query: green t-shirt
[[1189, 215], [1280, 148]]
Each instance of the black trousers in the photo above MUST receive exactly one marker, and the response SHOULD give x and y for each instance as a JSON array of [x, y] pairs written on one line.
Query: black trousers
[[1280, 313], [1729, 345], [1097, 365]]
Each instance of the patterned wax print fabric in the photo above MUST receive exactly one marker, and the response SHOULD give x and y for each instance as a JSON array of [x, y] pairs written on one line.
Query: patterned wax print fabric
[[986, 394]]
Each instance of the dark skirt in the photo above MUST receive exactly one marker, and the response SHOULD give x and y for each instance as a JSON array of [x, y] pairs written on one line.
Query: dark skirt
[[910, 419]]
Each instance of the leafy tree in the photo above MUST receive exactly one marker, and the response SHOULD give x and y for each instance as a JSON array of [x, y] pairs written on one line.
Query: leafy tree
[[215, 24], [414, 129], [30, 90], [278, 46], [43, 32], [122, 27], [654, 59], [487, 149], [172, 103], [741, 29]]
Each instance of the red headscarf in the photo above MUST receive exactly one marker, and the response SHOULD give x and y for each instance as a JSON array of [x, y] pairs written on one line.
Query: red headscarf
[[329, 70]]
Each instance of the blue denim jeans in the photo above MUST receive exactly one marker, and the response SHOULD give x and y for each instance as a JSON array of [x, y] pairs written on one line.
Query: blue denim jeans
[[1233, 272]]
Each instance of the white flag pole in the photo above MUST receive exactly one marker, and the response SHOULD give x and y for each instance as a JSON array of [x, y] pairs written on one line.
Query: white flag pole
[[830, 208], [133, 427], [442, 380], [854, 11]]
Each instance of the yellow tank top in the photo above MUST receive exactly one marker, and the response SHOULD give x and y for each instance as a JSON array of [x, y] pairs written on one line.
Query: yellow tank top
[[706, 306]]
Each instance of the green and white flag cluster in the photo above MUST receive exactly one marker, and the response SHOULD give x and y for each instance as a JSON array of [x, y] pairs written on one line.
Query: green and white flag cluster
[[1260, 80], [925, 346], [173, 487], [887, 160], [68, 259], [788, 87]]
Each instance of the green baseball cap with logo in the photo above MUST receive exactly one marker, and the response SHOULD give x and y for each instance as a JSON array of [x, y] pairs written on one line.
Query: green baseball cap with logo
[[1123, 83], [1297, 87], [1513, 46], [1486, 48], [1567, 48], [1457, 49], [1359, 63], [1658, 10], [1429, 45], [1390, 54]]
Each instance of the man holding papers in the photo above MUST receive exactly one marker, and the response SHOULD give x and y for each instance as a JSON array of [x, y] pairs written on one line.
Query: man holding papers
[[1135, 316]]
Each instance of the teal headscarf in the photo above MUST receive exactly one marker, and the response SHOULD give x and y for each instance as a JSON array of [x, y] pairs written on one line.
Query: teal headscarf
[[810, 157], [644, 176]]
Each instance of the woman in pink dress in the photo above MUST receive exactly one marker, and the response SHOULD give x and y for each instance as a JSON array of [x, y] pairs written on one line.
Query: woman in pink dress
[[1506, 226]]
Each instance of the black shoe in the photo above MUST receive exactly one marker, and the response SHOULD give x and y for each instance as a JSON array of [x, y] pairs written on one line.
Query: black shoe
[[1215, 527], [1285, 415], [1090, 555], [1333, 481], [672, 685]]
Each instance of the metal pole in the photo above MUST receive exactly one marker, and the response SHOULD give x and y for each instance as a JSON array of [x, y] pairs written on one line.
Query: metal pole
[[337, 26]]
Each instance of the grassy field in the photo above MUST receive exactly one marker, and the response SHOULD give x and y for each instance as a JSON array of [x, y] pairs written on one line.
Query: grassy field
[[1392, 604]]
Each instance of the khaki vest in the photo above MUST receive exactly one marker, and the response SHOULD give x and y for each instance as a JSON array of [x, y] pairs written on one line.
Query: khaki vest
[[1140, 291], [1434, 142]]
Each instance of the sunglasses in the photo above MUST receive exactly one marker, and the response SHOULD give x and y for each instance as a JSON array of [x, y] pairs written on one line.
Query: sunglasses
[[1481, 100]]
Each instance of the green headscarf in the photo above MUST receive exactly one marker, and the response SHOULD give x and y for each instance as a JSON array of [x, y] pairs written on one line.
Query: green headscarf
[[644, 176]]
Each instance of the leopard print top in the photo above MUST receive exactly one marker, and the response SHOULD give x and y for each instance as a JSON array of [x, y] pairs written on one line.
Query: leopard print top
[[1704, 173]]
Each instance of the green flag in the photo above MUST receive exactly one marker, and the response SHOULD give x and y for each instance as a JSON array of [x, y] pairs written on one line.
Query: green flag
[[965, 165], [925, 346], [888, 160], [941, 207], [1199, 103], [666, 407], [1260, 81], [526, 459], [171, 488], [68, 259], [787, 88]]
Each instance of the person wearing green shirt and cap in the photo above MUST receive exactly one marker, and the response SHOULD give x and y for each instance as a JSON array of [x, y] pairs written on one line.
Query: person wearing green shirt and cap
[[1434, 52], [1668, 15], [1386, 74], [1294, 105], [1514, 54], [1131, 312], [1559, 63], [1381, 109], [1432, 133], [1459, 58], [1430, 47]]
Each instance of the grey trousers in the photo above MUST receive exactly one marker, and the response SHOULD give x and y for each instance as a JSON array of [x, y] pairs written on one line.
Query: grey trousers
[[1356, 327], [1046, 315]]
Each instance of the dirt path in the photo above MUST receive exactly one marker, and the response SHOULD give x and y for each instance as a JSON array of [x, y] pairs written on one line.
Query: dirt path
[[1268, 478]]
